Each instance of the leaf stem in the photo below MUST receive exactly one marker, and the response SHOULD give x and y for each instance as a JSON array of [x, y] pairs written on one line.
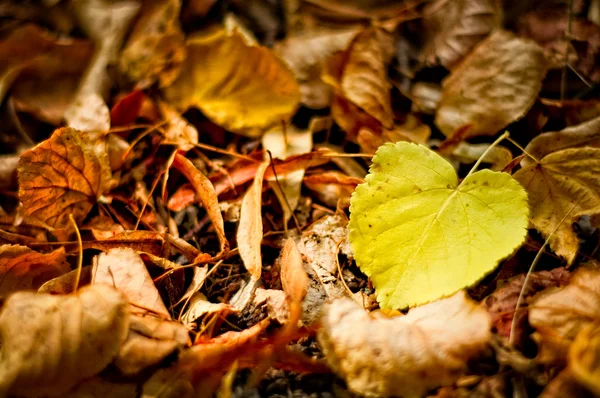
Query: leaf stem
[[80, 257], [476, 165], [515, 143]]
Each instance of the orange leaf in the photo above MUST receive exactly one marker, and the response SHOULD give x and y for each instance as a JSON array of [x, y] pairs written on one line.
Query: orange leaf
[[250, 230], [62, 175], [294, 279], [206, 192], [22, 268]]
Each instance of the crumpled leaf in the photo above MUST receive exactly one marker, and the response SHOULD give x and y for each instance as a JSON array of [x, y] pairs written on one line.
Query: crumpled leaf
[[125, 270], [584, 134], [51, 343], [305, 55], [155, 49], [562, 187], [245, 100], [406, 355], [250, 228], [495, 85], [558, 315], [22, 268], [420, 235], [456, 27], [584, 357], [60, 176]]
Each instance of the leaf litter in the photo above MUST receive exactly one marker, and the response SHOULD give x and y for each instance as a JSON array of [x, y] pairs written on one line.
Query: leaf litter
[[299, 198]]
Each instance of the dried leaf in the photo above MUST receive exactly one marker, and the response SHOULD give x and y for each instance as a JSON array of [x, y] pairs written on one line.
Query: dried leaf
[[332, 186], [456, 27], [63, 175], [250, 229], [207, 195], [178, 132], [584, 357], [562, 187], [558, 315], [406, 355], [246, 100], [51, 343], [22, 268], [498, 156], [275, 301], [293, 276], [124, 269], [141, 241], [200, 306], [494, 86], [155, 49], [65, 284]]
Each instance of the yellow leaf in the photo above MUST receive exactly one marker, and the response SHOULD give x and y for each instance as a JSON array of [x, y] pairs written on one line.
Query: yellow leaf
[[246, 100], [562, 187], [406, 355], [60, 176], [495, 85], [420, 235]]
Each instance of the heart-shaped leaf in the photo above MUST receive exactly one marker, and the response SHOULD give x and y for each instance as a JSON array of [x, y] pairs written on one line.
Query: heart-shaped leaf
[[420, 235]]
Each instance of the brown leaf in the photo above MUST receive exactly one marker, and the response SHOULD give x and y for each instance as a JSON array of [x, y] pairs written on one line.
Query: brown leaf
[[63, 175], [293, 275], [65, 284], [52, 343], [207, 195], [456, 27], [199, 306], [584, 134], [558, 315], [22, 268], [245, 100], [584, 357], [142, 241], [494, 86], [155, 49], [562, 187], [405, 355], [250, 229], [125, 270], [332, 186]]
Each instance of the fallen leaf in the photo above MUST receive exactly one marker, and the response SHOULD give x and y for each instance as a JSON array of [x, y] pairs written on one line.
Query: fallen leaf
[[52, 343], [405, 355], [412, 130], [250, 228], [247, 100], [22, 268], [155, 49], [586, 134], [178, 131], [65, 284], [495, 85], [562, 187], [275, 301], [559, 314], [584, 357], [451, 234], [454, 28], [207, 195], [125, 270], [60, 176], [293, 276], [199, 306], [305, 55], [497, 156], [141, 241], [332, 186], [127, 108]]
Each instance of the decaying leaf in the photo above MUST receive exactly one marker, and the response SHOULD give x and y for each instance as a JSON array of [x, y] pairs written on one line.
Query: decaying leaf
[[250, 229], [406, 355], [559, 314], [495, 85], [125, 270], [420, 235], [456, 27], [246, 100], [22, 268], [52, 343], [63, 175], [562, 187], [155, 48]]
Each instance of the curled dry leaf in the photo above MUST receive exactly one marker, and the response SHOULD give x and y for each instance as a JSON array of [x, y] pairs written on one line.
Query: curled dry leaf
[[293, 276], [558, 315], [22, 268], [155, 49], [250, 229], [305, 55], [63, 175], [125, 270], [562, 187], [406, 355], [245, 100], [207, 195], [456, 27], [494, 86], [584, 134], [52, 343]]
